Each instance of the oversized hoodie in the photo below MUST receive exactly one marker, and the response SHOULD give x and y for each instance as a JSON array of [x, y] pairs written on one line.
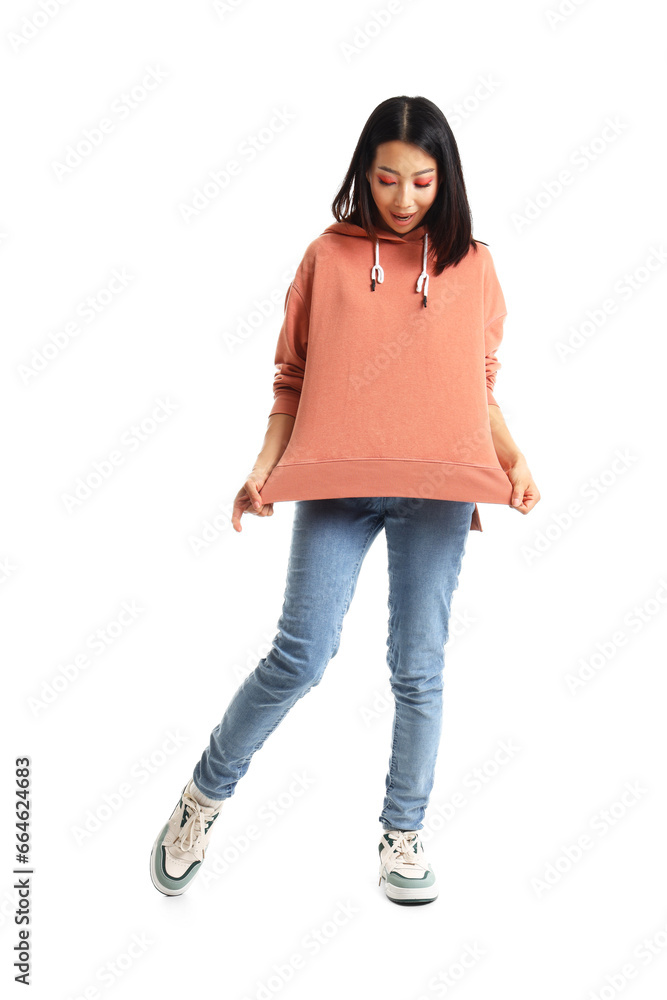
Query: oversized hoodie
[[388, 370]]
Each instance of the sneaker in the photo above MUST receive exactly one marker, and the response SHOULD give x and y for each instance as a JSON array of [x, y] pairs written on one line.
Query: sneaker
[[407, 875], [180, 846]]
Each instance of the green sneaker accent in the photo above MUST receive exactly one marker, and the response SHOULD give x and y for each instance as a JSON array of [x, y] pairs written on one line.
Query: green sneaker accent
[[427, 880], [158, 873], [180, 848], [401, 885]]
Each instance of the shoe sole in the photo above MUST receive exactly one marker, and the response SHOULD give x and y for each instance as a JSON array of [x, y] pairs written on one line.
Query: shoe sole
[[401, 894], [155, 879]]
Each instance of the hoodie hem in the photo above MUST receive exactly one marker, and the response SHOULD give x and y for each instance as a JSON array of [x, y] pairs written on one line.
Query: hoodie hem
[[380, 477]]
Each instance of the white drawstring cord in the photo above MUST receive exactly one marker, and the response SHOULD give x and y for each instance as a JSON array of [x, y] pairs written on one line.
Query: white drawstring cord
[[377, 272], [380, 272], [423, 277]]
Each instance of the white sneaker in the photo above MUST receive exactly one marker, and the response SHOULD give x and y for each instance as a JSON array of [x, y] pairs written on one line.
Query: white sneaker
[[180, 846], [407, 875]]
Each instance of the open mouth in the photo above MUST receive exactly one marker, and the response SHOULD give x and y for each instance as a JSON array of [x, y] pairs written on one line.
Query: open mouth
[[402, 220]]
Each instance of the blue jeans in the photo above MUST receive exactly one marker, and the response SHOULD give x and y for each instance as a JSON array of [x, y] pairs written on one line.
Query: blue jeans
[[425, 543]]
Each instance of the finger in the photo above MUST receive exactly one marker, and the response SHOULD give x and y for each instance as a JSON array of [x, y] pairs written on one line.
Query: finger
[[241, 505], [254, 496], [236, 517]]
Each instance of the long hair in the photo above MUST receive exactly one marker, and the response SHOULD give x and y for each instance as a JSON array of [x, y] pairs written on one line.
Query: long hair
[[418, 121]]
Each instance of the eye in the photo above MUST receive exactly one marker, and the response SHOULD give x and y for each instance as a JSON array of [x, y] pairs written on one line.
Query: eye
[[389, 183]]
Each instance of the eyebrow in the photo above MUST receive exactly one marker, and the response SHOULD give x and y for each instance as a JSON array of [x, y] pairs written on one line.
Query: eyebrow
[[428, 170]]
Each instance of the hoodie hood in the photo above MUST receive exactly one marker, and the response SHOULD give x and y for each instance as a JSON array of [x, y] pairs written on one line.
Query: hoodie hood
[[377, 272]]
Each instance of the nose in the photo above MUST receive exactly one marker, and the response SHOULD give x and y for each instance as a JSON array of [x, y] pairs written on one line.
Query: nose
[[403, 203]]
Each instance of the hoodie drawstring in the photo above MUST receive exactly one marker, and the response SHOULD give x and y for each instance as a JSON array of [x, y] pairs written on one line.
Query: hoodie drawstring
[[378, 273], [423, 277]]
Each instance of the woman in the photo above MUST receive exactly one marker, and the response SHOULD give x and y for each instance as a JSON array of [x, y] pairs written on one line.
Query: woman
[[383, 418]]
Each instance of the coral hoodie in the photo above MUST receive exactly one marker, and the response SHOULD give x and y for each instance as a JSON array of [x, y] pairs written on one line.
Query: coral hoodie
[[388, 371]]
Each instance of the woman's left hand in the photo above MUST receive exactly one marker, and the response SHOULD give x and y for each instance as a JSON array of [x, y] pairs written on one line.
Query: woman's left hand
[[525, 493]]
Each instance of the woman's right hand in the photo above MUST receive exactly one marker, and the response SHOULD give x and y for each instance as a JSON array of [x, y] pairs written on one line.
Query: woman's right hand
[[248, 500]]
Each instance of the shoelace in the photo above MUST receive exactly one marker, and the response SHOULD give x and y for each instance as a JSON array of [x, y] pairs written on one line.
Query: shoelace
[[186, 839], [403, 852]]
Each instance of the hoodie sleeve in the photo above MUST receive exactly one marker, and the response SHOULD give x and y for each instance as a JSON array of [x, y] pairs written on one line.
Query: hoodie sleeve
[[290, 359], [494, 315]]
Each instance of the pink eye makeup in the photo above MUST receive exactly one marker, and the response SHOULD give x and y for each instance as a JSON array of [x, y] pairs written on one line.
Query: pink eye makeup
[[387, 181]]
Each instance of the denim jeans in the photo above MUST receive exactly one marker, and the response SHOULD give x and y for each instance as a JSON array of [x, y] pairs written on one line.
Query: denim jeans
[[425, 544]]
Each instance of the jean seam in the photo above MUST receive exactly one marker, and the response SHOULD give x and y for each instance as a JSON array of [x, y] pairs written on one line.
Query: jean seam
[[391, 645]]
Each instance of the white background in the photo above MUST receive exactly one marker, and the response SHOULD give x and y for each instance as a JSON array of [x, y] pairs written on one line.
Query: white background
[[528, 96]]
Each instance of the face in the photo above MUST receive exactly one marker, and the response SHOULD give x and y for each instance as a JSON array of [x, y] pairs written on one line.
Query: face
[[404, 182]]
